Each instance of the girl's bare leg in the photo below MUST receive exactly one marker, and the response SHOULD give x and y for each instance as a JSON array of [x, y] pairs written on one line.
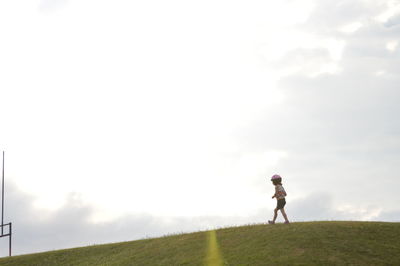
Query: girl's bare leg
[[275, 215], [284, 214]]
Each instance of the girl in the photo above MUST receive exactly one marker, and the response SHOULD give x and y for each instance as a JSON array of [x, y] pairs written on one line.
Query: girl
[[280, 195]]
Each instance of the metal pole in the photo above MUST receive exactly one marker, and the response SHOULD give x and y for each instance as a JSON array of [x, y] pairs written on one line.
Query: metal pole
[[9, 248], [2, 198]]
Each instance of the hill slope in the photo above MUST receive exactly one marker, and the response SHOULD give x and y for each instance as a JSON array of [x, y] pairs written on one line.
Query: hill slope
[[308, 243]]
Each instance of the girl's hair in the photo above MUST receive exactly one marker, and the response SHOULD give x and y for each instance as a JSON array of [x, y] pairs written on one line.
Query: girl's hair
[[277, 181]]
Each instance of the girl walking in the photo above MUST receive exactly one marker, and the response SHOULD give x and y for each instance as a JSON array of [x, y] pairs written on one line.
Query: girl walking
[[280, 195]]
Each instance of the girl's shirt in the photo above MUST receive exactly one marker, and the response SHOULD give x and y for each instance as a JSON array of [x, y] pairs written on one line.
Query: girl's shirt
[[280, 192]]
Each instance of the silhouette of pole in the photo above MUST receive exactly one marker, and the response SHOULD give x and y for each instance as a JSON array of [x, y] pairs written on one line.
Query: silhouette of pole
[[2, 213], [2, 198], [9, 240]]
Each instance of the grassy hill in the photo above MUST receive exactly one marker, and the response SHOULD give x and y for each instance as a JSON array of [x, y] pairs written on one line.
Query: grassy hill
[[306, 243]]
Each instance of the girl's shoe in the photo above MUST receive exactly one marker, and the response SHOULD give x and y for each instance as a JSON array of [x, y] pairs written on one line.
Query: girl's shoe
[[271, 222], [286, 222]]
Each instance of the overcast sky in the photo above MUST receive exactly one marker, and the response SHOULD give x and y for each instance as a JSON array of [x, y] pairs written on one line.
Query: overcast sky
[[171, 116]]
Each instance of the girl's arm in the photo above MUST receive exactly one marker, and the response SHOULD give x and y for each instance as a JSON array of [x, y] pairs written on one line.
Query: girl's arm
[[275, 192]]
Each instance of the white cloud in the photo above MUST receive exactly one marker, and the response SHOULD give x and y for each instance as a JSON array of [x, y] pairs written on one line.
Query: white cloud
[[51, 5], [392, 8], [392, 45], [351, 28], [360, 212]]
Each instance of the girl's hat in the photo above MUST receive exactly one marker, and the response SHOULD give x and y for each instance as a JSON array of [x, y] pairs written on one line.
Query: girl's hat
[[276, 177]]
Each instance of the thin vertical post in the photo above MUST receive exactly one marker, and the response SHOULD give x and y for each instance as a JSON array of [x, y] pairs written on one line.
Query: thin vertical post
[[2, 198], [9, 247]]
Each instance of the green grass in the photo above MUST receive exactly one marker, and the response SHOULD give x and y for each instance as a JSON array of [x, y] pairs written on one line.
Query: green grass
[[307, 243]]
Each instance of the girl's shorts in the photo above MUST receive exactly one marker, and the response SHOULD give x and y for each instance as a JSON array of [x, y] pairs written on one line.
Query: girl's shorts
[[280, 203]]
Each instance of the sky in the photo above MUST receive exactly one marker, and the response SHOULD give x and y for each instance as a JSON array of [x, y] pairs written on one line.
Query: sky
[[123, 120]]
